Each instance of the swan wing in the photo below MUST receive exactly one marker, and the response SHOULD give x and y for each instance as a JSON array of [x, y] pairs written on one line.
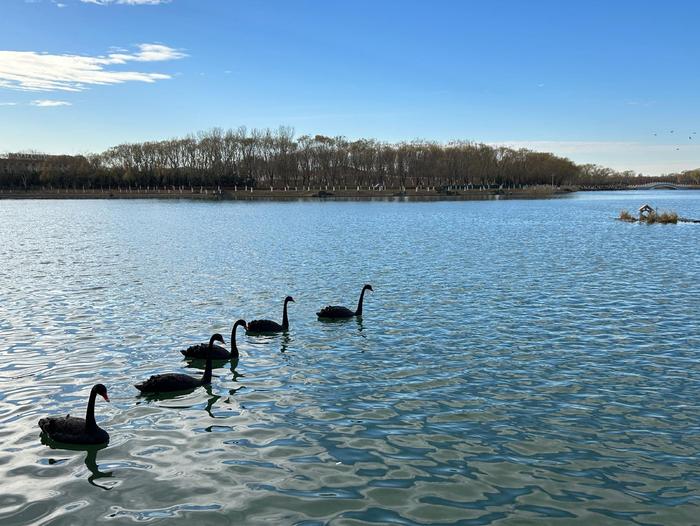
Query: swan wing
[[335, 311], [168, 382]]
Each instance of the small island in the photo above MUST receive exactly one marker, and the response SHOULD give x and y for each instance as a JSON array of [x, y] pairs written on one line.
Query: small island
[[650, 215]]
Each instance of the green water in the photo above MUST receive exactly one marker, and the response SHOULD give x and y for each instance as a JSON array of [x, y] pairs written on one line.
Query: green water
[[519, 362]]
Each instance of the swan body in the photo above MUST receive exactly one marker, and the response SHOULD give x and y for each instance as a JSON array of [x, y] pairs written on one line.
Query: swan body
[[73, 430], [199, 352], [268, 326], [338, 312], [171, 382], [168, 382], [335, 311], [260, 326]]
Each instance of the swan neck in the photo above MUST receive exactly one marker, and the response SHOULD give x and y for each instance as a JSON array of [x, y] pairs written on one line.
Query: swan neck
[[90, 413], [206, 377], [358, 312], [234, 347], [285, 319]]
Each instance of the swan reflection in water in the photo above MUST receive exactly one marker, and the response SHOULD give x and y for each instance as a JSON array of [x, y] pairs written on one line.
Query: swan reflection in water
[[360, 325], [341, 321], [216, 364], [286, 340], [213, 399], [90, 459]]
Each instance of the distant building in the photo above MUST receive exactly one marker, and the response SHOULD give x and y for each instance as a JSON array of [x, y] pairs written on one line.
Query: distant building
[[645, 211]]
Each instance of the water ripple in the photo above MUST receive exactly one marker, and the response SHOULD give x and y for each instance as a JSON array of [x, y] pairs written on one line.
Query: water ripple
[[532, 361]]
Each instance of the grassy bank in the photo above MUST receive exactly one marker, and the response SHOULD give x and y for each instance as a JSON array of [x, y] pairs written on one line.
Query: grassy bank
[[282, 194]]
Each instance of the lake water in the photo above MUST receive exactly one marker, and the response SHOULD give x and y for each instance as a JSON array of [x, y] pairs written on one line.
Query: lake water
[[519, 362]]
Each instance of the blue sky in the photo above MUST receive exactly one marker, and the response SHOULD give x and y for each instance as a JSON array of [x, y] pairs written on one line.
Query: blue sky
[[592, 80]]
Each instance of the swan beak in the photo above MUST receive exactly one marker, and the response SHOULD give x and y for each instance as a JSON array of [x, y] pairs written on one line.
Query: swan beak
[[105, 397]]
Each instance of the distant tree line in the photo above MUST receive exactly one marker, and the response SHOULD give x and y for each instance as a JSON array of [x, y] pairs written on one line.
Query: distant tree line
[[275, 158], [687, 177]]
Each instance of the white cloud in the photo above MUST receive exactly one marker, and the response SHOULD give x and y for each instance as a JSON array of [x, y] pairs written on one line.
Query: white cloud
[[46, 103], [148, 53], [8, 104], [32, 71], [126, 2]]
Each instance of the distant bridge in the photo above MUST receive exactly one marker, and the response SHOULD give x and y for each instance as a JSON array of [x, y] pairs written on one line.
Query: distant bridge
[[666, 186]]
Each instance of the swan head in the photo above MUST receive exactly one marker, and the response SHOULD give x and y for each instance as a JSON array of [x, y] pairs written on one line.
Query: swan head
[[216, 338], [368, 287], [288, 299], [241, 322], [101, 390]]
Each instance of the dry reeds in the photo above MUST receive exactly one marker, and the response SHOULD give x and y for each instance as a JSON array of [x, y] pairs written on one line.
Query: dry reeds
[[626, 216], [664, 218]]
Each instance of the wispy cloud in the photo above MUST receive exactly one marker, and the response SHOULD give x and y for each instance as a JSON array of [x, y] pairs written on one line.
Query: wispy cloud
[[41, 103], [57, 3], [32, 71], [126, 2], [147, 53], [47, 103]]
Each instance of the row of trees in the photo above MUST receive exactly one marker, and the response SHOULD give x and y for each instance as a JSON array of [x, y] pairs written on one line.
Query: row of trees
[[275, 158], [688, 177]]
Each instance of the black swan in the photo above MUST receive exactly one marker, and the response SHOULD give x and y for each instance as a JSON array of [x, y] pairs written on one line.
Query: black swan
[[337, 312], [199, 352], [170, 382], [263, 326], [73, 430]]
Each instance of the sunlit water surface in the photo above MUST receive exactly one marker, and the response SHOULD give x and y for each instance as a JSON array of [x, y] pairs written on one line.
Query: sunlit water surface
[[519, 361]]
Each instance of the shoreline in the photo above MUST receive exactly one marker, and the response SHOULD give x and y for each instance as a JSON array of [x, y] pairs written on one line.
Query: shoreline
[[291, 195], [240, 194]]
